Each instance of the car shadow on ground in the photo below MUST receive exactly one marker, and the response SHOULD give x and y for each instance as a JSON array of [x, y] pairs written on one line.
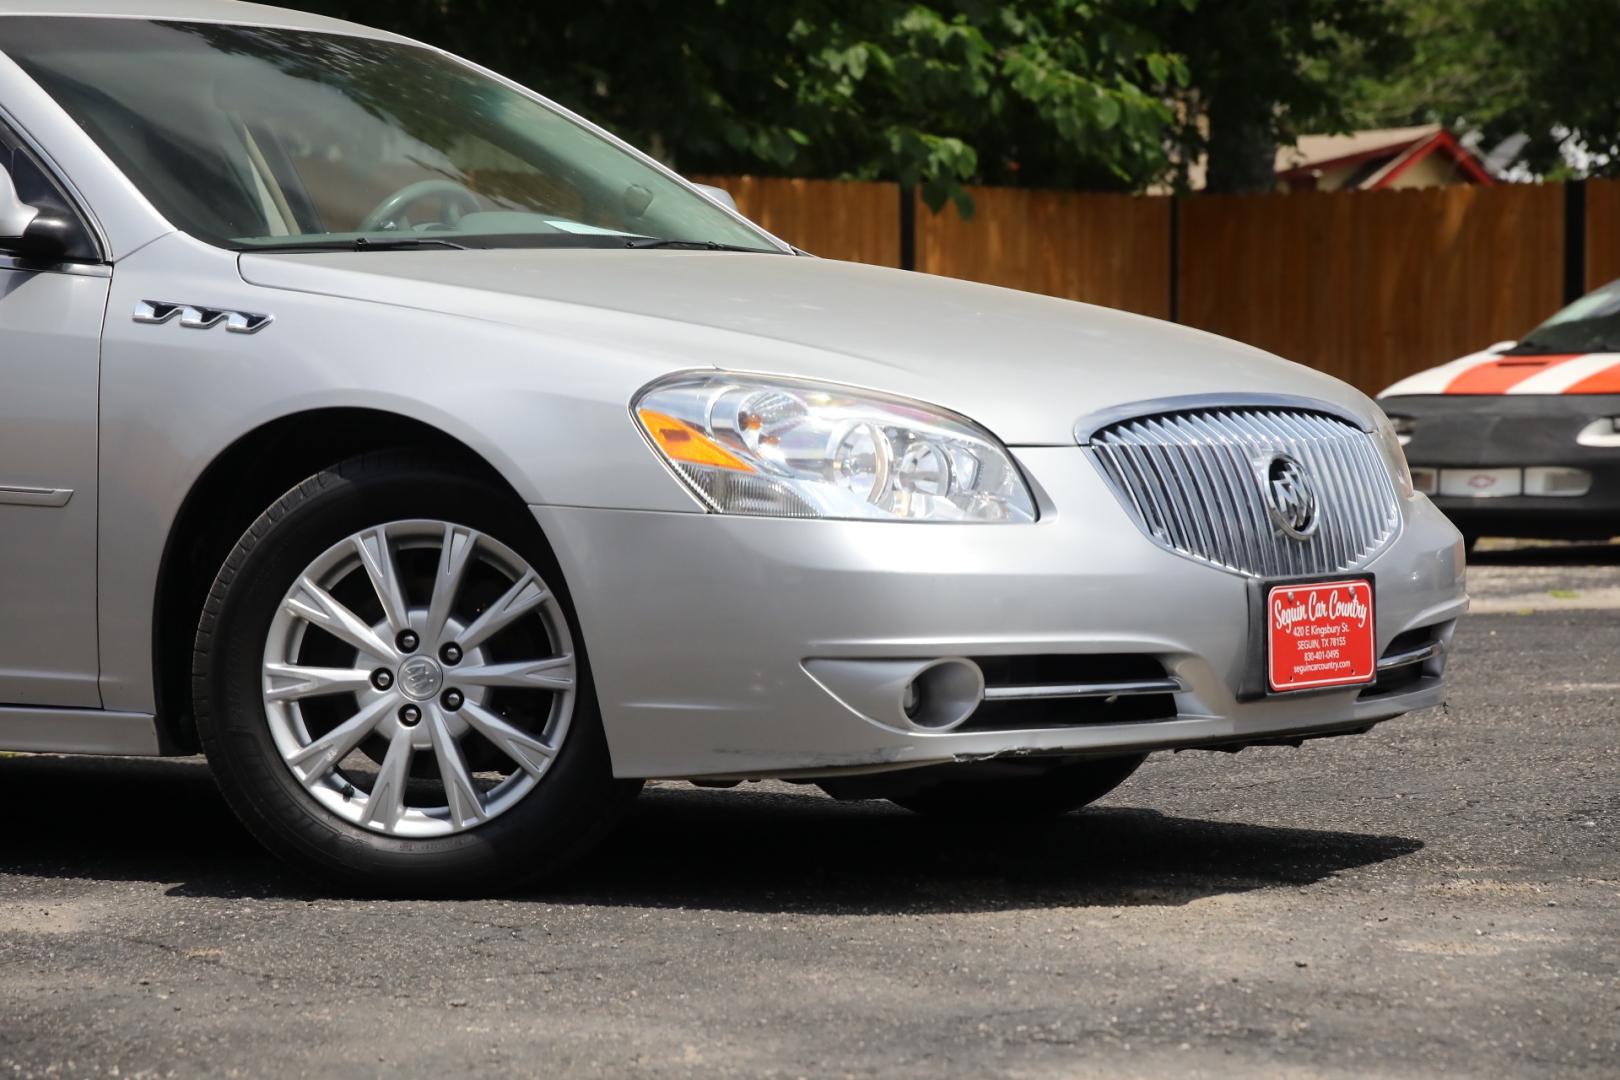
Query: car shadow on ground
[[742, 850], [1549, 553], [753, 851]]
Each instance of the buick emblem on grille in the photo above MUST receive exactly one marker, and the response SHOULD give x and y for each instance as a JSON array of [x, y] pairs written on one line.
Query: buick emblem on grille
[[1290, 497]]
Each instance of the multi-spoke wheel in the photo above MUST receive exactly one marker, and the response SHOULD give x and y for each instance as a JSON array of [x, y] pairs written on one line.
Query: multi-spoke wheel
[[419, 667], [390, 687]]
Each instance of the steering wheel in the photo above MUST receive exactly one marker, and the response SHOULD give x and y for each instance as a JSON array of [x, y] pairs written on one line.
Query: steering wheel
[[389, 212]]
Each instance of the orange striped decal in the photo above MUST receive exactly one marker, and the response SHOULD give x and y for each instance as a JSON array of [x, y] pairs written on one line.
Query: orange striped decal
[[1606, 381], [1501, 375]]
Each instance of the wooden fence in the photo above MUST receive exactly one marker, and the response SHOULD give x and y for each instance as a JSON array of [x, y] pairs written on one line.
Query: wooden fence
[[838, 219], [1368, 286], [1106, 249], [1602, 231], [1373, 286]]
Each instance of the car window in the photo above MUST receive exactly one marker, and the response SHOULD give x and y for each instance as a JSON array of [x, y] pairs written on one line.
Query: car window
[[250, 137], [333, 174], [1590, 324], [36, 187]]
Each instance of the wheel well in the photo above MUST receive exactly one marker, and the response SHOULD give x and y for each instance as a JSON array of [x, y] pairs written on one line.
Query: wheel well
[[230, 494]]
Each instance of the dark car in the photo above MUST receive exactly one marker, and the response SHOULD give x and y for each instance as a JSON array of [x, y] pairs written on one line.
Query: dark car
[[1523, 439]]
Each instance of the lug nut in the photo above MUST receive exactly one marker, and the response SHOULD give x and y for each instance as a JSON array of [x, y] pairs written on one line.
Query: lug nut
[[382, 678], [451, 653], [407, 641], [452, 699], [410, 716]]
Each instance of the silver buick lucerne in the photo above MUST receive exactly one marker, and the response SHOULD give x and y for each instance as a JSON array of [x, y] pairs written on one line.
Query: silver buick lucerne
[[443, 467]]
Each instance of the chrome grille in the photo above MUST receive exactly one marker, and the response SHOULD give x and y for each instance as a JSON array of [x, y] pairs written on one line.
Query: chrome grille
[[1195, 482]]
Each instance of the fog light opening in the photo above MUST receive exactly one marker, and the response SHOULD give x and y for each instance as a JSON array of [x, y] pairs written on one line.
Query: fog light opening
[[911, 700], [943, 695]]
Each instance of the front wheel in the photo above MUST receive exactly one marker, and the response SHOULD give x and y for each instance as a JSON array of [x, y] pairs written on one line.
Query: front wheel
[[391, 689], [1020, 789]]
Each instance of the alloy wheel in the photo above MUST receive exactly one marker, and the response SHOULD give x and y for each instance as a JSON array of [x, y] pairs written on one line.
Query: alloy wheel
[[419, 678]]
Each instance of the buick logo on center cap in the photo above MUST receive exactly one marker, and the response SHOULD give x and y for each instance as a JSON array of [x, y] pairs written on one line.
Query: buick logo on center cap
[[1290, 497], [420, 678]]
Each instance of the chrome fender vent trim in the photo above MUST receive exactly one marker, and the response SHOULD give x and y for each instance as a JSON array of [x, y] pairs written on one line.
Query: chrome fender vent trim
[[158, 312]]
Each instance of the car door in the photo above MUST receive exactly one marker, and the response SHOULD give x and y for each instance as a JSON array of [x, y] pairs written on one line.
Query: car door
[[50, 332]]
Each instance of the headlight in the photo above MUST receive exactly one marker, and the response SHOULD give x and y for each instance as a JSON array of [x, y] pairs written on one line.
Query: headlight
[[1394, 456], [749, 444]]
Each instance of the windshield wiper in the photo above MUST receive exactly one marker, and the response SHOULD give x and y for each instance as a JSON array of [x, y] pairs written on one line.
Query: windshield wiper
[[404, 243], [643, 242]]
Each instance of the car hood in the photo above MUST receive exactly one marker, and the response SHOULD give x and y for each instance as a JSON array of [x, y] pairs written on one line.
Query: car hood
[[1499, 370], [1028, 367]]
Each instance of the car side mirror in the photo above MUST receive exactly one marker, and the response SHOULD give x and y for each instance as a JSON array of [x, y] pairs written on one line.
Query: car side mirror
[[719, 195], [27, 231]]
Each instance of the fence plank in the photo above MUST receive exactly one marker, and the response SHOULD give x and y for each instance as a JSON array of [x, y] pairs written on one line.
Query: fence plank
[[1103, 249], [1372, 286], [1602, 232], [857, 221]]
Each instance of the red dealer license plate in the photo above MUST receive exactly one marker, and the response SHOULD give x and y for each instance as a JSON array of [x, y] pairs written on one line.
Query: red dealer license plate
[[1320, 634]]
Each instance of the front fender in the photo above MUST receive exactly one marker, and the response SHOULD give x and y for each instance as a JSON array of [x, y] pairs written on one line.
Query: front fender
[[552, 418]]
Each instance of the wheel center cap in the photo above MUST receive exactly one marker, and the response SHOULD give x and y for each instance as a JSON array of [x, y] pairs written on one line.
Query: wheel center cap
[[420, 678]]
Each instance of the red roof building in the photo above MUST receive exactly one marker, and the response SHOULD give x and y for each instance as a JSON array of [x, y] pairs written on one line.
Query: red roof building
[[1385, 159]]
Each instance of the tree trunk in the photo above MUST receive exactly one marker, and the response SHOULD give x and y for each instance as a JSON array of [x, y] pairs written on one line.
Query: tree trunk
[[1242, 149]]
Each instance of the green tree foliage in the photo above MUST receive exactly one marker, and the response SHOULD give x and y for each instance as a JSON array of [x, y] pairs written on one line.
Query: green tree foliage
[[1264, 71], [1040, 92], [1099, 94], [1543, 68]]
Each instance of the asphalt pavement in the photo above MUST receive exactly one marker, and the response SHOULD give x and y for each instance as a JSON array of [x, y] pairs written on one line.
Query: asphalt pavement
[[1438, 898]]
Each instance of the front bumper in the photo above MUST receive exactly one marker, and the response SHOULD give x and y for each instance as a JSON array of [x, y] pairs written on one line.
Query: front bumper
[[1516, 431], [700, 626]]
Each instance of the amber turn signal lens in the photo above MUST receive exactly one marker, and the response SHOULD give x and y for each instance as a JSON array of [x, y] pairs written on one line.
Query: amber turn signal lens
[[681, 441]]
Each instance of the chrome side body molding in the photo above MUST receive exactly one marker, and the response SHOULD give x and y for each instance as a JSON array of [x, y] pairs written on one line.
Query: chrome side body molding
[[157, 312], [34, 496]]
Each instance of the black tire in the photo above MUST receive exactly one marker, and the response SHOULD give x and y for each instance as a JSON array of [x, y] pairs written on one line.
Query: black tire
[[1020, 792], [573, 804]]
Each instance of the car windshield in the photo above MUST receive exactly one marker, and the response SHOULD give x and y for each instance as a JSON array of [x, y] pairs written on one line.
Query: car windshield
[[1591, 324], [253, 138]]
